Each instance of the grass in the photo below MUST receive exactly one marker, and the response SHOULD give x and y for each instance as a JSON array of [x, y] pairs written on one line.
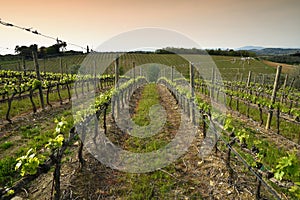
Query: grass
[[6, 145], [287, 129], [31, 136], [154, 184], [150, 97], [50, 64], [7, 173], [24, 105], [225, 64], [150, 185]]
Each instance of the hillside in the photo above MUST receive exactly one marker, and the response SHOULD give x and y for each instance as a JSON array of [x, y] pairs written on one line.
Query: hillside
[[275, 51], [230, 67]]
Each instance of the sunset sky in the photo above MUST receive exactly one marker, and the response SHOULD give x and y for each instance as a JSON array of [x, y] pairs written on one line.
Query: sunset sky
[[212, 24]]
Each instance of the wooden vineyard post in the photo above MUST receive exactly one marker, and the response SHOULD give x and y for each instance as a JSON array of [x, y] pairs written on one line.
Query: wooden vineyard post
[[59, 95], [37, 69], [117, 97], [104, 118], [44, 65], [133, 68], [212, 84], [134, 75], [192, 86], [283, 87], [248, 85], [67, 68], [230, 170], [273, 98], [19, 66], [172, 73], [95, 77], [122, 95], [61, 66], [24, 65], [116, 71], [204, 125], [249, 79]]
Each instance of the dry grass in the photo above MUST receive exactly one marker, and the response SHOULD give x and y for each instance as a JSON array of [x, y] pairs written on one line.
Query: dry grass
[[286, 68]]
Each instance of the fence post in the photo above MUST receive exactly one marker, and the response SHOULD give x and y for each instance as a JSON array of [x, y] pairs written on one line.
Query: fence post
[[19, 66], [44, 61], [192, 87], [116, 71], [204, 124], [230, 170], [273, 98], [263, 79], [172, 73], [212, 84], [141, 71], [37, 69], [133, 68], [61, 66], [283, 87], [249, 79], [24, 65]]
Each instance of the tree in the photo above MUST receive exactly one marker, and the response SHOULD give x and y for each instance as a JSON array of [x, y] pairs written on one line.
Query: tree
[[25, 51], [55, 49], [42, 52]]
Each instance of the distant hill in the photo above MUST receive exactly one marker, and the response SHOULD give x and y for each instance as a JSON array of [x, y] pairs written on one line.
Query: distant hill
[[275, 51], [250, 48], [269, 51]]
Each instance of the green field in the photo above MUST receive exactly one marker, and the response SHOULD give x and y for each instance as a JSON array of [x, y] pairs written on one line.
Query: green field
[[231, 68]]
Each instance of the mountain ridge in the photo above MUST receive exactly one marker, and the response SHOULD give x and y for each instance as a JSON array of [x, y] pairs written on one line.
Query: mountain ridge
[[259, 50]]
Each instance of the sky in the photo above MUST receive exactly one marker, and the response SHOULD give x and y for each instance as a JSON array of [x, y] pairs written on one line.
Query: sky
[[210, 23]]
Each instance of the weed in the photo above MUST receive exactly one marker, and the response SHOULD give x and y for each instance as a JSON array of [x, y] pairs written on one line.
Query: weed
[[6, 145]]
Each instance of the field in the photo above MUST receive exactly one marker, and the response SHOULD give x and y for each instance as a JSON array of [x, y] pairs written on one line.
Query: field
[[233, 135], [224, 63], [286, 67]]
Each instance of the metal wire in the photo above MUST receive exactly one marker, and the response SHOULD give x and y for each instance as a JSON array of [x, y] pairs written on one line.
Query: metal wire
[[38, 33]]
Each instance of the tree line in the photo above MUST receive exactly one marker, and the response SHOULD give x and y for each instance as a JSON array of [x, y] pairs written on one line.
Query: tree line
[[44, 52], [289, 59], [217, 52]]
